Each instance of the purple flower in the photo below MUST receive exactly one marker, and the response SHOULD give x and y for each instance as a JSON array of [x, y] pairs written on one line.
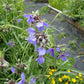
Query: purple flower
[[31, 31], [32, 39], [21, 82], [63, 56], [26, 16], [19, 20], [58, 49], [22, 79], [51, 51], [41, 51], [40, 60], [41, 25], [10, 43], [12, 69], [23, 76], [33, 80], [30, 19], [46, 24]]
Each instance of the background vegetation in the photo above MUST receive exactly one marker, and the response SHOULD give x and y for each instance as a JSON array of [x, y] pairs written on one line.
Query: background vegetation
[[74, 8]]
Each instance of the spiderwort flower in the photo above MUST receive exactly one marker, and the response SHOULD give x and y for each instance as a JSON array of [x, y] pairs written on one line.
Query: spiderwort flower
[[10, 43], [31, 31], [41, 51], [32, 39], [19, 20], [58, 49], [63, 57], [30, 18], [40, 26], [22, 79], [12, 69], [40, 60], [33, 80], [51, 51]]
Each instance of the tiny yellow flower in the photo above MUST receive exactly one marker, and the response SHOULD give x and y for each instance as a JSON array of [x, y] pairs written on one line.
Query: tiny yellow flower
[[73, 80], [80, 75], [66, 83], [80, 78], [77, 77], [68, 71], [48, 76], [60, 80], [50, 73], [65, 76], [55, 69], [52, 70], [53, 81]]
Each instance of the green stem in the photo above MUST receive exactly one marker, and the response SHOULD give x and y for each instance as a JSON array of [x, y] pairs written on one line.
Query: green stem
[[55, 18]]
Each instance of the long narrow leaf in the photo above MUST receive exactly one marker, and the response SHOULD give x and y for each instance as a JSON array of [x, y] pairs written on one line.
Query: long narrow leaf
[[18, 39]]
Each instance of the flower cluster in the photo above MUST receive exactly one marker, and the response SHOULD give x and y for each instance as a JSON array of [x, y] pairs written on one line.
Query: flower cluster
[[50, 72], [66, 79], [39, 38]]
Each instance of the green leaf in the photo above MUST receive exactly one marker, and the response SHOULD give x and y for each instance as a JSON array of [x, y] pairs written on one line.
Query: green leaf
[[76, 71], [17, 39], [64, 72], [1, 55], [16, 27], [28, 63]]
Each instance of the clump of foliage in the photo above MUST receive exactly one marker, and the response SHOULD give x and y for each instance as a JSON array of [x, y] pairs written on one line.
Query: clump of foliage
[[9, 8], [76, 9], [44, 10], [58, 4], [82, 44]]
